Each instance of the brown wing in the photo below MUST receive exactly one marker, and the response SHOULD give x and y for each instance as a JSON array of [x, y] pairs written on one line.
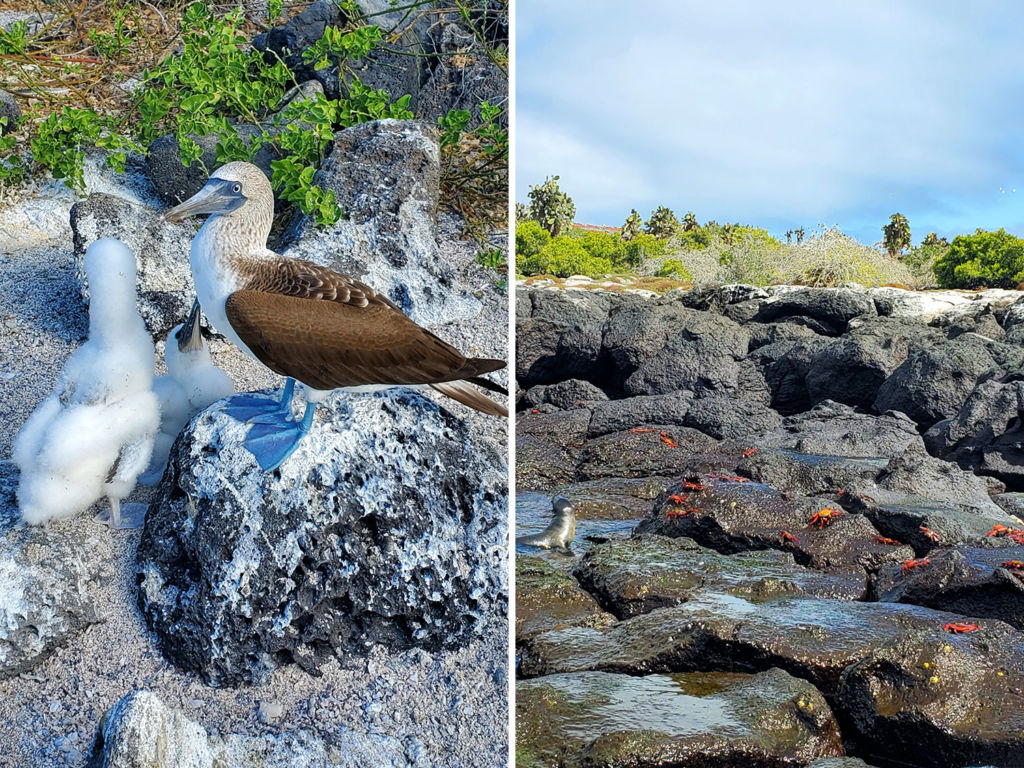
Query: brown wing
[[327, 330]]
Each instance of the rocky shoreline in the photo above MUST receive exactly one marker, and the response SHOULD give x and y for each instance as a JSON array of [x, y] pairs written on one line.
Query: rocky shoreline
[[825, 487]]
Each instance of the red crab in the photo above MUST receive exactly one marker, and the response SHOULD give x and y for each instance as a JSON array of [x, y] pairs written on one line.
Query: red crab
[[787, 536], [667, 441], [534, 410], [692, 486], [959, 627], [749, 452], [824, 517], [890, 542], [641, 431], [1014, 565], [929, 533], [909, 565], [677, 498], [998, 530], [679, 512]]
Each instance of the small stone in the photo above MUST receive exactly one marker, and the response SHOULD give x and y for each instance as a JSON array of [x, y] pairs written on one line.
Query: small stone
[[270, 711]]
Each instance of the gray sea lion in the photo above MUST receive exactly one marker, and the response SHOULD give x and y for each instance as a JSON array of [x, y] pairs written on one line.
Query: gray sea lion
[[561, 531]]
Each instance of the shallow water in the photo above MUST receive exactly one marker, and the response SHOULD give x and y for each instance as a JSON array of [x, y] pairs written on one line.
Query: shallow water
[[533, 513]]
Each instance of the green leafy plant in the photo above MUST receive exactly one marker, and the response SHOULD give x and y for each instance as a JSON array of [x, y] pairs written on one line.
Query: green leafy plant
[[675, 269], [984, 259], [492, 258], [663, 223], [341, 45], [474, 165]]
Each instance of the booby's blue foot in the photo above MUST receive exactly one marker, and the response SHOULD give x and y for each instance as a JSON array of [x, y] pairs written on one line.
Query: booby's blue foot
[[247, 407], [272, 441]]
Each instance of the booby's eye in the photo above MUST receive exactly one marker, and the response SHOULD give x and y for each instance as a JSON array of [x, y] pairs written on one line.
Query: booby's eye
[[236, 188]]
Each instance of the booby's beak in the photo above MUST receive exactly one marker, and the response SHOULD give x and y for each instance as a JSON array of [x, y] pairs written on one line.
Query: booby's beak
[[218, 196], [190, 335]]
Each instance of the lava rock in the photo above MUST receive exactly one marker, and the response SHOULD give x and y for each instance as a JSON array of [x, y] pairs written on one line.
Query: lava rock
[[548, 447], [835, 429], [640, 411], [559, 334], [173, 181], [289, 41], [660, 347], [829, 310], [549, 598], [934, 383], [691, 721], [982, 582], [648, 572], [47, 580], [464, 77], [165, 287], [785, 365], [651, 451], [384, 176], [140, 730], [986, 434], [9, 108], [565, 395], [387, 526], [729, 516]]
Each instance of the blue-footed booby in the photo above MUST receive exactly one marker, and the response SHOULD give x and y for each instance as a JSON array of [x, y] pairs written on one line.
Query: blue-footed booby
[[306, 322]]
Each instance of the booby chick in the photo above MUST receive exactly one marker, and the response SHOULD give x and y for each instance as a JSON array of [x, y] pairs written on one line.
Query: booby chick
[[306, 322], [560, 532], [93, 435], [192, 383]]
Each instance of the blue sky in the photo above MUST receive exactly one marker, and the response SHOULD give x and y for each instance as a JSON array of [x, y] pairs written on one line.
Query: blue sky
[[779, 114]]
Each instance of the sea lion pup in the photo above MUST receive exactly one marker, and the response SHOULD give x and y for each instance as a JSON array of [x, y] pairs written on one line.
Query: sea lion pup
[[560, 532]]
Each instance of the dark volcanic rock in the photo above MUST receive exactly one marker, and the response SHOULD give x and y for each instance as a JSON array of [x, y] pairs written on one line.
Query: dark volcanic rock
[[641, 453], [986, 435], [288, 42], [934, 383], [161, 251], [615, 498], [723, 416], [834, 429], [647, 572], [832, 308], [851, 369], [9, 108], [662, 346], [639, 411], [548, 446], [549, 598], [558, 335], [785, 365], [690, 721], [362, 537], [986, 583], [730, 516], [925, 700], [464, 77], [565, 395]]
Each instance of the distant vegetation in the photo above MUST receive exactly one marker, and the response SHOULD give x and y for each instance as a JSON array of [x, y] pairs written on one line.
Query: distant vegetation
[[686, 251]]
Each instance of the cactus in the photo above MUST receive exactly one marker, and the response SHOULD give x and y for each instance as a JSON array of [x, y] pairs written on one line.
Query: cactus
[[632, 226], [551, 207], [896, 234], [663, 223]]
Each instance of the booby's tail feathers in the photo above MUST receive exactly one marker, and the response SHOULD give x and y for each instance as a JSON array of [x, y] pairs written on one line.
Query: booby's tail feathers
[[464, 392], [480, 381]]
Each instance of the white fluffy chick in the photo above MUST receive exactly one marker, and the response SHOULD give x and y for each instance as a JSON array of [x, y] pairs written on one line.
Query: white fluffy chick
[[191, 384], [93, 435]]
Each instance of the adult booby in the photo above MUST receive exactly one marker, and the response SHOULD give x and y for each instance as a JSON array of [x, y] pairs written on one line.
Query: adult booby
[[304, 321]]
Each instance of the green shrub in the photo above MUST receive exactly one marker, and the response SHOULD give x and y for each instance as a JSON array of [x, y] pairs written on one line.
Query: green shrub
[[563, 257], [989, 259], [530, 238], [674, 268]]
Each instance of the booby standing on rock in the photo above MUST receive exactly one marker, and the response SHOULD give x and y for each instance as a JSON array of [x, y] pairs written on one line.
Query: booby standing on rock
[[306, 322]]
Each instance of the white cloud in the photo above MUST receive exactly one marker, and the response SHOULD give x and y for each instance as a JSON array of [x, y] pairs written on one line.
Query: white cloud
[[758, 111]]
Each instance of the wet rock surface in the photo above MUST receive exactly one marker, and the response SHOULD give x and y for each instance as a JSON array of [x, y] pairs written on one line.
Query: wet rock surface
[[591, 718], [548, 598], [355, 541], [833, 490]]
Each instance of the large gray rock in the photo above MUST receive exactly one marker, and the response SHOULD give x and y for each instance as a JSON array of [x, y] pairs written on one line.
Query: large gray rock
[[161, 249], [385, 177], [662, 346], [934, 382], [387, 526], [830, 310], [140, 730], [288, 42], [985, 436], [464, 77], [558, 335], [45, 574]]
